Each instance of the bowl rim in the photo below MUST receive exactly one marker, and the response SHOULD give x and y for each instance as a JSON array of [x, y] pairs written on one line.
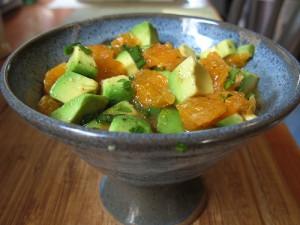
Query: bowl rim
[[207, 136]]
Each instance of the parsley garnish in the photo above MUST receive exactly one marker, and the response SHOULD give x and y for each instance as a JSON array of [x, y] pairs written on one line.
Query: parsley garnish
[[68, 50]]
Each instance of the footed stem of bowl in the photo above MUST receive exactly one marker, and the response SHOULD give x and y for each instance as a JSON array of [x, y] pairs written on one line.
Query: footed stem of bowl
[[173, 204]]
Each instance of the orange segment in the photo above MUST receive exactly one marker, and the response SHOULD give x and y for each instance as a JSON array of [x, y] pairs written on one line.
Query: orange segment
[[201, 112], [47, 105], [235, 102], [152, 89], [52, 75], [124, 39], [107, 65], [217, 68], [238, 60], [162, 56]]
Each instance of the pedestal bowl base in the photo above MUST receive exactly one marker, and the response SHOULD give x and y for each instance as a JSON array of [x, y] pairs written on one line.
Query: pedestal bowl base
[[172, 204]]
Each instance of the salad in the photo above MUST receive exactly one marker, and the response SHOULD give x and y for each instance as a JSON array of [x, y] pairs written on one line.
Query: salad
[[137, 84]]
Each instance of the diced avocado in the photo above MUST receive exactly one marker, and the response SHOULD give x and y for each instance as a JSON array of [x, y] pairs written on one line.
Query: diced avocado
[[121, 108], [128, 62], [248, 48], [129, 124], [145, 33], [169, 121], [137, 55], [248, 117], [188, 79], [187, 51], [249, 83], [230, 120], [82, 63], [226, 47], [94, 124], [71, 85], [117, 89], [166, 73], [74, 110], [205, 53]]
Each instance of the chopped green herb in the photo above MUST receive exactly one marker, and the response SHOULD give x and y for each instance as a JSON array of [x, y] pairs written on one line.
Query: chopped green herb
[[68, 50], [231, 78], [137, 129], [136, 54], [105, 118], [181, 147], [87, 118]]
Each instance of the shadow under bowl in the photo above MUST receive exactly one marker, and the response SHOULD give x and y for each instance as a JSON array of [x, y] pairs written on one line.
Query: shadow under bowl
[[144, 161]]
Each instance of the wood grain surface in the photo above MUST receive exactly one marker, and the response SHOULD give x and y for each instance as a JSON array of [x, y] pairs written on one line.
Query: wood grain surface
[[43, 182]]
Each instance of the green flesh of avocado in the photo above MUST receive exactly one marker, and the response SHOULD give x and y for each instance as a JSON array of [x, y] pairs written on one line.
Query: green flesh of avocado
[[129, 124], [145, 33], [188, 79], [187, 51], [74, 110], [249, 83], [128, 62], [121, 108], [248, 49], [230, 120], [82, 63], [169, 121], [226, 47], [71, 85], [117, 89]]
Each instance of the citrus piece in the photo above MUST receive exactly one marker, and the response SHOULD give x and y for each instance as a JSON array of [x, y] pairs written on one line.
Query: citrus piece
[[124, 39], [47, 105], [52, 75], [107, 65], [152, 89], [217, 68], [238, 60], [235, 102], [201, 112], [162, 56]]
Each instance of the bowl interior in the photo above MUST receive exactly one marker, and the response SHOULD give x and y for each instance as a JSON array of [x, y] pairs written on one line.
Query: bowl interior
[[278, 71]]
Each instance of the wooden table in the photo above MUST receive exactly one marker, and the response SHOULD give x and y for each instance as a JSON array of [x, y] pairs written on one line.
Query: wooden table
[[43, 182]]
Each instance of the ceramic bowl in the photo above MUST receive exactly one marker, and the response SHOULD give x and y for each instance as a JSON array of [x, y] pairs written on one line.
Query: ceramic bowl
[[146, 169]]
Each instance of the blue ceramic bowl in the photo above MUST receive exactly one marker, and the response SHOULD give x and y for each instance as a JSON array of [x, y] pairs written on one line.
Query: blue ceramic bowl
[[150, 159]]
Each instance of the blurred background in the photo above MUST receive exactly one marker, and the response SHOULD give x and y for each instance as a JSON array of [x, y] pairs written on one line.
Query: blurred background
[[279, 20]]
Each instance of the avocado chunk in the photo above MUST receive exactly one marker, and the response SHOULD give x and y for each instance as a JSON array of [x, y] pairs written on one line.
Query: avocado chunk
[[82, 63], [249, 83], [226, 47], [74, 110], [169, 121], [95, 124], [230, 120], [248, 117], [129, 124], [145, 33], [121, 108], [188, 79], [136, 55], [117, 89], [128, 62], [166, 73], [246, 49], [187, 51], [223, 48], [71, 85]]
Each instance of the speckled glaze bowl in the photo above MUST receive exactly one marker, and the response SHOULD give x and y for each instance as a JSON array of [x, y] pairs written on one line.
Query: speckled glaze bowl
[[149, 182]]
